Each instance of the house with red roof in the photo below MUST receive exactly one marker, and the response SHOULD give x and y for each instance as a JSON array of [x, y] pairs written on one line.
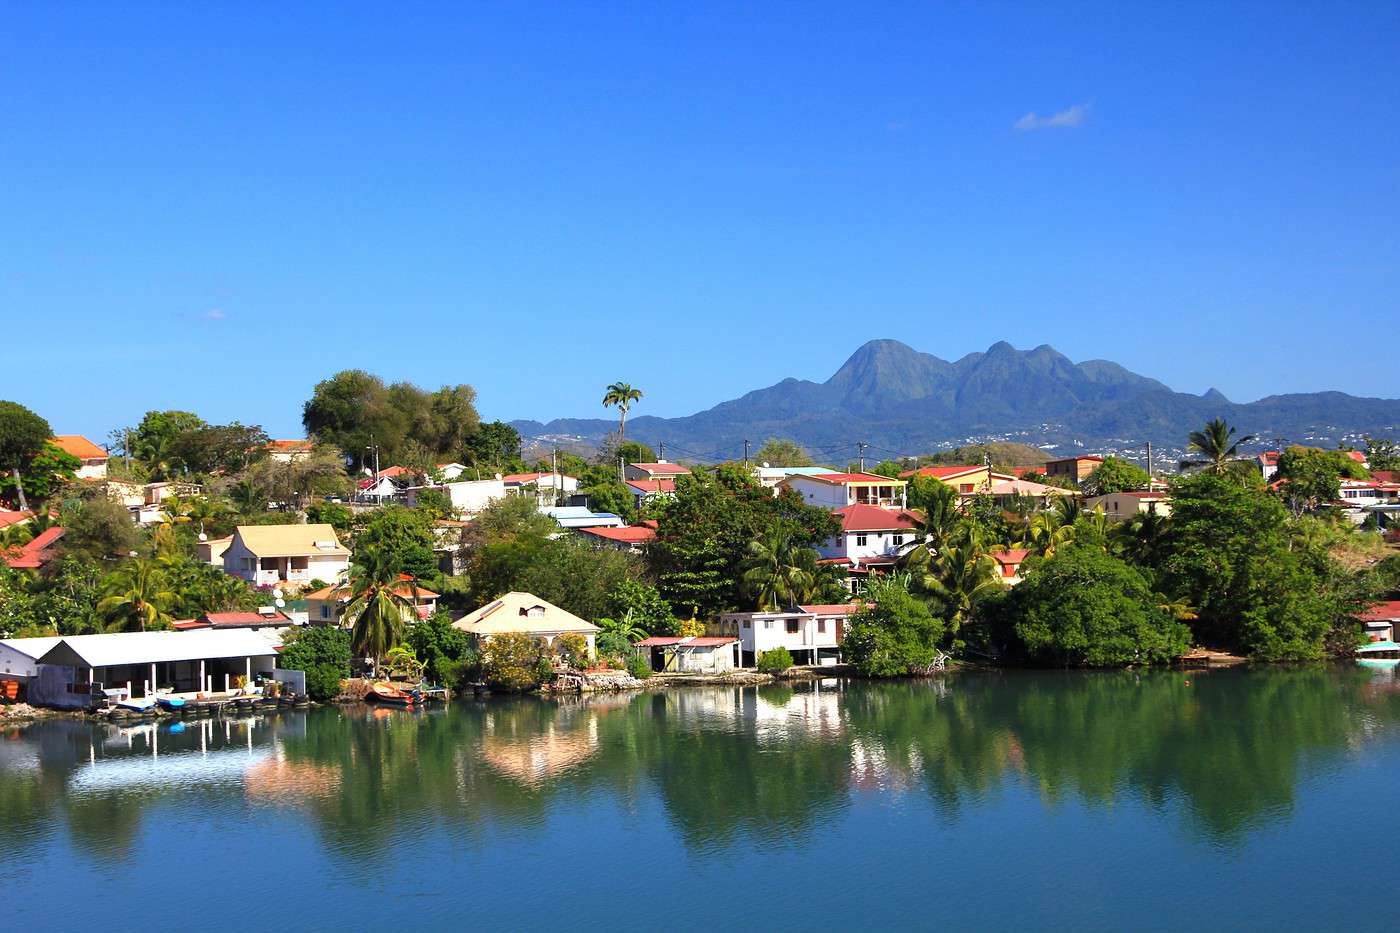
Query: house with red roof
[[645, 489], [93, 458], [1008, 562], [690, 654], [661, 469], [871, 539], [326, 606], [36, 553], [813, 634], [838, 490], [630, 538], [286, 451]]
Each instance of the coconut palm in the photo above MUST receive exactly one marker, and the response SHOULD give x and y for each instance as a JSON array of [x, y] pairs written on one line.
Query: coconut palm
[[773, 573], [203, 511], [138, 598], [377, 609], [958, 579], [937, 524], [621, 395], [1046, 533], [1215, 447]]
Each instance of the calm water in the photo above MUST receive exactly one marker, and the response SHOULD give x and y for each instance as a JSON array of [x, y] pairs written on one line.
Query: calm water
[[1107, 801]]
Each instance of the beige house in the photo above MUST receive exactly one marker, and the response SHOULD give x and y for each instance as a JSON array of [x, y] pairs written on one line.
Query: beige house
[[526, 614], [325, 606], [93, 458], [267, 555], [1121, 506]]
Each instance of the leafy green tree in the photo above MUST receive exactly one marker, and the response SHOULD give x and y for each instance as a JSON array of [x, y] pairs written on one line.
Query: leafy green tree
[[618, 635], [895, 634], [639, 607], [622, 396], [401, 538], [218, 448], [1085, 608], [438, 645], [1115, 475], [137, 598], [774, 661], [435, 504], [376, 612], [1382, 453], [98, 527], [323, 654], [355, 411], [493, 446], [1215, 446], [23, 436], [778, 451], [47, 473], [335, 514], [154, 441], [514, 661], [629, 451], [1311, 478]]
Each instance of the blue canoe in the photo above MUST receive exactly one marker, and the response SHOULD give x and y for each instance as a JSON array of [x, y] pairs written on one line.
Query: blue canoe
[[170, 702]]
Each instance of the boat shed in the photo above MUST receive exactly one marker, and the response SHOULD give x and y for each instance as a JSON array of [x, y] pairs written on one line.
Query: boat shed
[[19, 657], [689, 654], [78, 669]]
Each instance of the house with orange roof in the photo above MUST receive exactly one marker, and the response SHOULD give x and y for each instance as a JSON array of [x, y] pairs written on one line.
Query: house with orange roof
[[93, 458], [661, 469], [968, 479], [645, 489], [37, 552], [630, 538], [1008, 563], [326, 606], [286, 451]]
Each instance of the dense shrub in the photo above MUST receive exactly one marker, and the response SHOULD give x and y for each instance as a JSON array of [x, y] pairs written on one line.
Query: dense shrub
[[323, 654], [894, 636], [572, 648], [638, 667], [775, 661], [514, 661]]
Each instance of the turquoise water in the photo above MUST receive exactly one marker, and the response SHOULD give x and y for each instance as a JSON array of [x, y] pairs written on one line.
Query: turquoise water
[[1228, 800]]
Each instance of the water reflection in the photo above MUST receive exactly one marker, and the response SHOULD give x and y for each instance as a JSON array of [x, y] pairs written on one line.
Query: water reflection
[[1224, 751]]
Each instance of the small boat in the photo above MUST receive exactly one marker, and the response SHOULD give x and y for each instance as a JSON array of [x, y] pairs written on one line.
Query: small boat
[[143, 705], [388, 694], [170, 703]]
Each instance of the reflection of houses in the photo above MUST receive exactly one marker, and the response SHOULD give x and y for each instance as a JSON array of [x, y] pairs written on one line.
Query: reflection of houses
[[689, 654], [93, 459], [1121, 506], [549, 752], [325, 606], [526, 614], [266, 555], [72, 673], [813, 634], [838, 490]]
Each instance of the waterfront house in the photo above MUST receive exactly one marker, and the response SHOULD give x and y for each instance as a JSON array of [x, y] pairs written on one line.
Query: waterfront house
[[1076, 469], [19, 657], [692, 654], [79, 670], [813, 634], [268, 555], [871, 539], [326, 606], [838, 490], [1121, 506], [1380, 620], [527, 614], [92, 459], [661, 469]]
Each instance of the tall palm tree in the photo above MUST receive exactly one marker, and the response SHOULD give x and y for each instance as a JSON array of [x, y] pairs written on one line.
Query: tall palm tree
[[622, 395], [1214, 445], [137, 598], [773, 574], [203, 511], [1047, 532], [376, 610], [938, 523]]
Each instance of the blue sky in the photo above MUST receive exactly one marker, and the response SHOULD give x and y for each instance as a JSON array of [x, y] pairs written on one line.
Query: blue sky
[[212, 207]]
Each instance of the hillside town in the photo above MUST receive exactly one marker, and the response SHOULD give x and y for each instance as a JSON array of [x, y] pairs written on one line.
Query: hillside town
[[204, 562]]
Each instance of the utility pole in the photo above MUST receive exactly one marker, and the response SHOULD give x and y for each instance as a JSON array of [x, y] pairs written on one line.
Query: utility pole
[[746, 453], [860, 449], [661, 451], [1149, 464], [554, 479]]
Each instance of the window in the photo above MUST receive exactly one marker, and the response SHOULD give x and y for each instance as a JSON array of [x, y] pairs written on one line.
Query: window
[[792, 626], [821, 626], [745, 624], [965, 487], [861, 540], [897, 540], [767, 624], [325, 611]]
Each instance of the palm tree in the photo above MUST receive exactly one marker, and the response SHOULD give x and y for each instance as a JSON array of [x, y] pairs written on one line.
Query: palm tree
[[937, 525], [622, 395], [138, 598], [960, 577], [1047, 532], [204, 510], [773, 574], [1214, 446], [249, 496], [376, 610]]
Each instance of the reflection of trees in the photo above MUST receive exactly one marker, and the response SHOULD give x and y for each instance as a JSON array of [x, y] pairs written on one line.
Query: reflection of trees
[[767, 765]]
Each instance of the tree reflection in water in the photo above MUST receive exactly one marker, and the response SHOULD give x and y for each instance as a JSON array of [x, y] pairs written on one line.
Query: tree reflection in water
[[771, 766]]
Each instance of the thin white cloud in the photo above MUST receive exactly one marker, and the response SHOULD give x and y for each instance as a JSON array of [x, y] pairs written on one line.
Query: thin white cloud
[[213, 314], [1065, 119]]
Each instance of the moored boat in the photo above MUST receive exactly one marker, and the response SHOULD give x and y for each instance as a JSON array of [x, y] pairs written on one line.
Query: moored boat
[[381, 692], [173, 704]]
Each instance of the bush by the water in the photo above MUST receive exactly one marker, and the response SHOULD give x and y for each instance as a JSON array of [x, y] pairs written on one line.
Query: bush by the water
[[897, 634], [515, 662], [638, 667], [775, 661], [1085, 608], [573, 649], [323, 654]]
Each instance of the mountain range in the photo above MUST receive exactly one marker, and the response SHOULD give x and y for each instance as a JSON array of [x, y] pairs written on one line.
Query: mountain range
[[902, 401]]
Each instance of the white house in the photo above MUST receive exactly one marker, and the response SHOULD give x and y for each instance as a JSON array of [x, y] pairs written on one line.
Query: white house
[[547, 488], [1008, 563], [870, 533], [694, 654], [468, 497], [93, 459], [838, 490], [266, 555], [813, 634], [449, 472], [19, 657], [770, 476], [287, 451]]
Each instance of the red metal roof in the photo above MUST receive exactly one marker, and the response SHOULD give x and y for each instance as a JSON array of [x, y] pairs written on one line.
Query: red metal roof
[[1013, 556], [531, 477], [832, 609], [656, 641], [669, 469], [943, 472], [653, 485], [710, 642], [846, 478], [10, 517], [224, 619], [630, 534], [1382, 612], [862, 517]]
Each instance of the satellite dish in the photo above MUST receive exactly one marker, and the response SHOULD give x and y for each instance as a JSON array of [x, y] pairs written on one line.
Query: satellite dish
[[203, 536], [280, 602], [277, 593]]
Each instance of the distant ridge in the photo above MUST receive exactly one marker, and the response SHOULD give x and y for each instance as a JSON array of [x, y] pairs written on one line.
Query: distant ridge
[[895, 397]]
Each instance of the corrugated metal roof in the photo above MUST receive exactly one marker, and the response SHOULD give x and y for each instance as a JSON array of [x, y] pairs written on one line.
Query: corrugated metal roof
[[291, 540], [32, 647], [155, 647]]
